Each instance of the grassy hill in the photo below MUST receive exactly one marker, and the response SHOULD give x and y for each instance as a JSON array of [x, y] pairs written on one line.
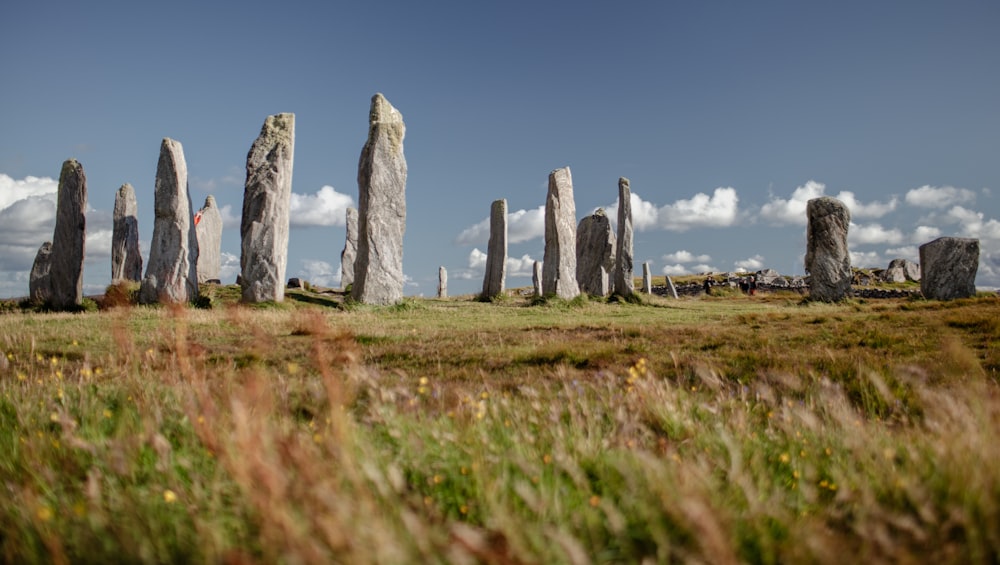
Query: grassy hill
[[717, 429]]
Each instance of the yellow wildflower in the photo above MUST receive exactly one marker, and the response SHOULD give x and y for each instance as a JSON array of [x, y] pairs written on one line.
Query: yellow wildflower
[[169, 496]]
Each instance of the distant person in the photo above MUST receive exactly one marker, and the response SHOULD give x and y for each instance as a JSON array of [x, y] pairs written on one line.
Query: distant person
[[708, 285], [752, 285], [744, 285]]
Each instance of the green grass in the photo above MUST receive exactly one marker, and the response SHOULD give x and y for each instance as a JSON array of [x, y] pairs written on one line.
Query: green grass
[[717, 430]]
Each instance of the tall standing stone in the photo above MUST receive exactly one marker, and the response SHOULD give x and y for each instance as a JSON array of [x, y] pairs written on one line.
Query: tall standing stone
[[126, 259], [948, 267], [496, 253], [647, 279], [208, 229], [559, 263], [40, 281], [595, 253], [670, 285], [350, 252], [69, 238], [172, 271], [267, 199], [828, 260], [623, 283], [378, 271], [442, 282], [536, 277]]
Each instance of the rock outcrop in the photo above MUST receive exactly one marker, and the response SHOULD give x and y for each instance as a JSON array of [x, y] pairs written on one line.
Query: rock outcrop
[[66, 271], [266, 203], [828, 260], [126, 258], [595, 254], [208, 229], [350, 252], [622, 283], [495, 276], [378, 270], [559, 263], [172, 270], [901, 270], [948, 267]]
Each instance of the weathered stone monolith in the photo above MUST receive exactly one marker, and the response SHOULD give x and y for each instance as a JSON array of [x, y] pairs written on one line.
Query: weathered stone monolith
[[40, 280], [496, 253], [378, 270], [559, 263], [622, 283], [208, 228], [647, 279], [948, 267], [350, 252], [670, 285], [66, 272], [828, 260], [172, 270], [126, 259], [266, 202], [442, 282], [901, 270], [536, 277], [595, 253]]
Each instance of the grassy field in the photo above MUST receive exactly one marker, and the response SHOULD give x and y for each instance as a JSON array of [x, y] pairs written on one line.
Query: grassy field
[[719, 429]]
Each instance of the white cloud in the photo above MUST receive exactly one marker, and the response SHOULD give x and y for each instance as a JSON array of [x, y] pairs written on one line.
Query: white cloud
[[99, 245], [326, 207], [229, 219], [719, 210], [793, 210], [974, 224], [520, 267], [477, 259], [749, 264], [873, 234], [13, 190], [678, 269], [938, 196], [870, 210], [924, 234], [867, 259], [319, 273], [522, 225], [701, 210], [229, 267], [684, 256], [908, 252]]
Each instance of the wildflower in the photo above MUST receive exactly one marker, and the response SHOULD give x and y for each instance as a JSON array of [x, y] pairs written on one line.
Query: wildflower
[[44, 513], [546, 459], [53, 417], [784, 458], [484, 395], [54, 360], [75, 343], [169, 496], [293, 368], [317, 438], [423, 381], [463, 509], [595, 500], [437, 479], [107, 414], [21, 376], [80, 509]]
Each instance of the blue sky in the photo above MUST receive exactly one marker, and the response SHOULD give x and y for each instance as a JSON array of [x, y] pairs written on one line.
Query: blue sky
[[726, 116]]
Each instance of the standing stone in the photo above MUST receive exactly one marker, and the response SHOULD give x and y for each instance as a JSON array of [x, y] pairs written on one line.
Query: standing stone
[[595, 253], [647, 279], [827, 258], [378, 270], [350, 252], [40, 281], [623, 283], [266, 202], [69, 238], [126, 260], [442, 282], [559, 263], [901, 270], [496, 253], [172, 271], [948, 267], [670, 285], [208, 229], [536, 277]]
